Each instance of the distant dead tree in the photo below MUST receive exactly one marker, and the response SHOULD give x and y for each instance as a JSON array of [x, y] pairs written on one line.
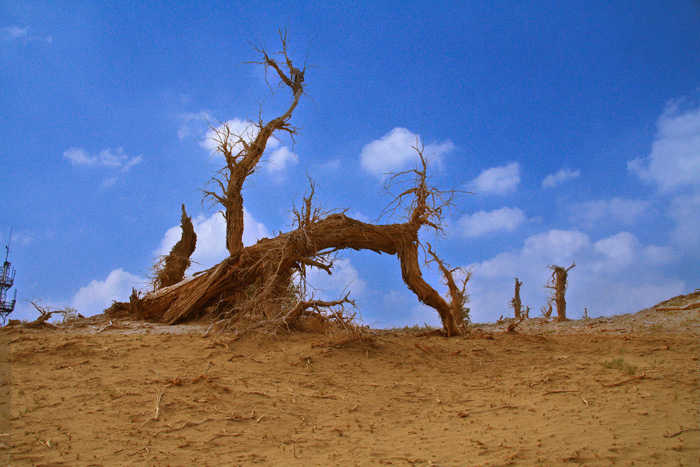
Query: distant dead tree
[[515, 301], [264, 284], [558, 283], [547, 309]]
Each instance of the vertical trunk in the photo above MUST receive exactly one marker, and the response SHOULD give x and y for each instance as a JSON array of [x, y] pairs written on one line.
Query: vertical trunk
[[234, 222], [412, 276], [517, 304], [178, 260]]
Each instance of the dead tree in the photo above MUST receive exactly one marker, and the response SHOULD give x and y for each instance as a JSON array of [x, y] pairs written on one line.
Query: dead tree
[[170, 269], [557, 283], [515, 301], [243, 156], [547, 310], [264, 283]]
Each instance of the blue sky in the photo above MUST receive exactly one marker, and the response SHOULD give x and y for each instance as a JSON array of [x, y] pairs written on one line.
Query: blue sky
[[577, 128]]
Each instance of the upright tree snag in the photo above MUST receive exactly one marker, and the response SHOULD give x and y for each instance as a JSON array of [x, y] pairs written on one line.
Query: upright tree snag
[[265, 283], [243, 156], [171, 269], [515, 302], [557, 283]]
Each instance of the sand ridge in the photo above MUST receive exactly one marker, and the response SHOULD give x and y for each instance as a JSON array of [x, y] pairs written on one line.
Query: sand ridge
[[128, 394]]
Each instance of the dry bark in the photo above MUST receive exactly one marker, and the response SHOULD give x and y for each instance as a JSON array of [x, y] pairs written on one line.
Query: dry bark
[[291, 250], [242, 156], [558, 284], [177, 261], [515, 302]]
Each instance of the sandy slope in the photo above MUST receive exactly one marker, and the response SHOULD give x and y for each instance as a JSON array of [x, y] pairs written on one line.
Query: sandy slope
[[618, 391]]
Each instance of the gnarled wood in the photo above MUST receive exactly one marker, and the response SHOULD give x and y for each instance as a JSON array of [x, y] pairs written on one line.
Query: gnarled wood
[[178, 260]]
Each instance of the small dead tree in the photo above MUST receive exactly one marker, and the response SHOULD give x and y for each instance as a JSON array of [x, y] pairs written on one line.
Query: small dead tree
[[515, 301], [170, 269], [547, 310], [457, 293], [558, 283]]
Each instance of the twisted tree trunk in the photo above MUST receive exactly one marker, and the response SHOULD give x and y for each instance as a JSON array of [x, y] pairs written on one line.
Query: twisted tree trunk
[[288, 251]]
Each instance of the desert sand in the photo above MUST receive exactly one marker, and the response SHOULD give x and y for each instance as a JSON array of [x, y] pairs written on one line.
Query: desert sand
[[622, 390]]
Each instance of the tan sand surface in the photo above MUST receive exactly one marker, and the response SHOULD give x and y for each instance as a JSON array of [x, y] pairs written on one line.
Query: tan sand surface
[[621, 391]]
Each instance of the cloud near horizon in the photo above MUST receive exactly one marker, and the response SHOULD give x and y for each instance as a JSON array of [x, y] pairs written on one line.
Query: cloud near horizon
[[98, 295], [613, 275]]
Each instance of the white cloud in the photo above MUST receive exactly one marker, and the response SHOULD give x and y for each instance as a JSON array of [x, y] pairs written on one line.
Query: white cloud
[[395, 152], [482, 222], [685, 211], [497, 180], [18, 33], [612, 275], [550, 181], [239, 129], [98, 295], [106, 159], [15, 32], [280, 159], [211, 238], [625, 211], [193, 123], [674, 161], [345, 278]]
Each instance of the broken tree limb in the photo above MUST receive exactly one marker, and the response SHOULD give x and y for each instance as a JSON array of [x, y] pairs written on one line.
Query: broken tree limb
[[171, 268]]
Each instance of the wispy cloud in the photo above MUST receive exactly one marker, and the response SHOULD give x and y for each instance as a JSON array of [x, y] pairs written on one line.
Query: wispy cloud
[[673, 166], [482, 223], [395, 152], [550, 181], [497, 180], [21, 34], [107, 158], [615, 210], [194, 124]]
